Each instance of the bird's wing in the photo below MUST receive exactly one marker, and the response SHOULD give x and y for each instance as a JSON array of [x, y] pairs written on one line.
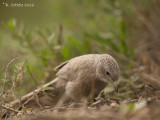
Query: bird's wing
[[56, 69]]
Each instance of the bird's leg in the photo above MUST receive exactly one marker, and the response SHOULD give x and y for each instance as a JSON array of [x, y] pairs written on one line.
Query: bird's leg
[[92, 91], [61, 101], [100, 95], [99, 99]]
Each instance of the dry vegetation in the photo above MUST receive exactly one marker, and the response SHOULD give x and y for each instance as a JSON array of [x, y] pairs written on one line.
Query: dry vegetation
[[139, 83]]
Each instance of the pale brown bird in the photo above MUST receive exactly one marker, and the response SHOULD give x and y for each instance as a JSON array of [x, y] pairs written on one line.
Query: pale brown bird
[[85, 76]]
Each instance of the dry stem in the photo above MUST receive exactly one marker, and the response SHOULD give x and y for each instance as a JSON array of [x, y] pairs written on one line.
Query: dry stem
[[5, 79]]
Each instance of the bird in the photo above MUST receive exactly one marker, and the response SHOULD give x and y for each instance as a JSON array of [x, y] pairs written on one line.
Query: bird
[[86, 76]]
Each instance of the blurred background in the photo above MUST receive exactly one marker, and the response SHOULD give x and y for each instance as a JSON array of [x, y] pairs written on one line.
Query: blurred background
[[43, 34]]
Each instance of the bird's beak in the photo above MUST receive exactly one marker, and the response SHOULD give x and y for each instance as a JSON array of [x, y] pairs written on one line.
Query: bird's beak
[[116, 86]]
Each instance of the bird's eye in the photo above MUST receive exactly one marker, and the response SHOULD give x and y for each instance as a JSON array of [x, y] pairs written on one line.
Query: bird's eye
[[107, 73]]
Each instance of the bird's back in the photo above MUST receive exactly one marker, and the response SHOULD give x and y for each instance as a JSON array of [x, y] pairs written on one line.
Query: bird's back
[[78, 64]]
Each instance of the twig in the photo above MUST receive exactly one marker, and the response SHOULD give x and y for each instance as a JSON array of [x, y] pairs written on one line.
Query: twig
[[34, 93], [96, 103], [64, 108], [133, 100], [150, 79], [32, 76], [37, 100], [10, 109], [23, 98], [59, 41], [5, 77]]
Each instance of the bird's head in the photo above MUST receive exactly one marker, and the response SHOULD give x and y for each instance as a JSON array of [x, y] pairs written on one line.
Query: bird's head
[[108, 70]]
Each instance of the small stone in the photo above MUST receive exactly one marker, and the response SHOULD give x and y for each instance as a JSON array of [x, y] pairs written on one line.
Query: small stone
[[114, 105]]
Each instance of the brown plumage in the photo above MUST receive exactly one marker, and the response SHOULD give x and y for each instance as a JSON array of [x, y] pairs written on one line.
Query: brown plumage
[[86, 75]]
